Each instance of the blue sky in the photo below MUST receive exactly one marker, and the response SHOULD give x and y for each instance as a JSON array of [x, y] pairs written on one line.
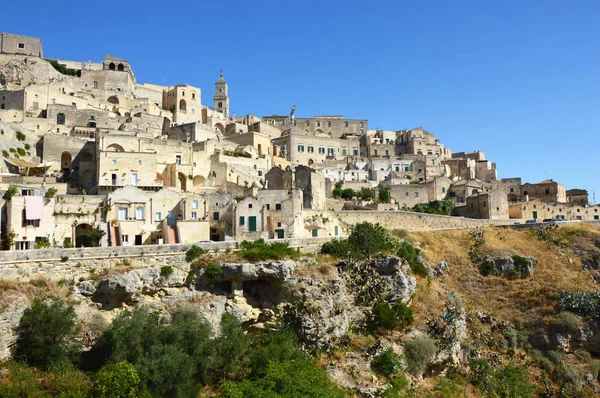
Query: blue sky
[[519, 80]]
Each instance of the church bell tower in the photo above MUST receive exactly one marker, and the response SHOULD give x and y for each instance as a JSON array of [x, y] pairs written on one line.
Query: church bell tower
[[221, 98]]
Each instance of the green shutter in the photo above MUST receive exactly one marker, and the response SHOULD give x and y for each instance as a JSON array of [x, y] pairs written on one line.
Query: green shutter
[[242, 219], [252, 223], [315, 233]]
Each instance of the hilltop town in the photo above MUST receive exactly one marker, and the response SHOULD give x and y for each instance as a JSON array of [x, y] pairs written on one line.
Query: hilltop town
[[94, 158]]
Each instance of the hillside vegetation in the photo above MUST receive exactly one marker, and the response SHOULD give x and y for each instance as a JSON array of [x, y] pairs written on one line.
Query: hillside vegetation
[[494, 312]]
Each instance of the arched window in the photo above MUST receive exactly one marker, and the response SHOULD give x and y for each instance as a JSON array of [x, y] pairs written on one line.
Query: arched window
[[121, 68], [111, 66], [182, 106]]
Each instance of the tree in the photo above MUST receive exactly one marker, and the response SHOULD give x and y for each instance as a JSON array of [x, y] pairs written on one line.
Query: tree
[[384, 195], [366, 238], [47, 333], [348, 194], [50, 193], [10, 192], [365, 193], [95, 235], [337, 190], [119, 380]]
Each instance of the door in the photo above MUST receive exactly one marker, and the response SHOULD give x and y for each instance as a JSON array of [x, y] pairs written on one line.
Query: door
[[252, 223], [172, 219], [535, 215], [280, 233], [138, 240]]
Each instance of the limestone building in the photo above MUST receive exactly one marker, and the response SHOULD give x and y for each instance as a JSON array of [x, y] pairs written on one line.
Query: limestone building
[[20, 45]]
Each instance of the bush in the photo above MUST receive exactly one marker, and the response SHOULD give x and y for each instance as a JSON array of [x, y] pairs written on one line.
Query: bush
[[47, 333], [21, 152], [407, 252], [337, 248], [418, 352], [348, 194], [64, 259], [382, 317], [260, 251], [118, 380], [166, 270], [367, 238], [18, 381], [213, 272], [384, 195], [10, 192], [20, 136], [583, 303], [487, 268], [404, 314], [388, 363], [63, 69], [193, 253], [595, 368], [419, 269], [441, 207], [5, 154], [50, 193], [365, 193], [566, 322]]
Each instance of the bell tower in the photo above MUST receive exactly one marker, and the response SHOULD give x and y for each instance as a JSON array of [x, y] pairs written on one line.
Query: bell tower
[[221, 98]]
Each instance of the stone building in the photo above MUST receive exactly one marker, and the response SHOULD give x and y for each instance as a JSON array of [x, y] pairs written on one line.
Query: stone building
[[183, 102], [310, 149], [546, 191], [579, 196], [332, 126], [309, 181], [20, 45], [513, 188], [491, 205], [538, 210]]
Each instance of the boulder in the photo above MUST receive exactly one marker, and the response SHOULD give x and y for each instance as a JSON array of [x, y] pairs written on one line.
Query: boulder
[[277, 270], [441, 269], [515, 267]]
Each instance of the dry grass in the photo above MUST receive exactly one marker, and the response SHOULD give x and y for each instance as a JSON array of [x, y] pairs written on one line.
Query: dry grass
[[505, 299]]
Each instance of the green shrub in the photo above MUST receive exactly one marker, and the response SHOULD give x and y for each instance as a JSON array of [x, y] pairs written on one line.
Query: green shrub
[[12, 150], [5, 154], [67, 243], [63, 69], [260, 251], [193, 253], [583, 303], [595, 368], [384, 195], [27, 147], [403, 313], [166, 270], [337, 248], [566, 322], [367, 238], [21, 151], [487, 268], [50, 193], [382, 317], [20, 136], [555, 356], [46, 334], [481, 373], [213, 271], [407, 252], [64, 259], [118, 380], [10, 192], [388, 363], [18, 381], [42, 243], [418, 352], [65, 380], [348, 194], [419, 269], [440, 207]]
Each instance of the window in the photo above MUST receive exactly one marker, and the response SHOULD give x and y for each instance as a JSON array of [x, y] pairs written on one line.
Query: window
[[329, 151], [310, 149], [328, 124], [216, 216], [114, 161], [193, 95], [336, 227], [277, 206], [249, 205], [279, 224], [318, 124], [60, 118], [21, 45], [32, 223], [268, 206], [547, 192], [346, 124], [407, 194], [242, 220], [139, 213], [306, 121], [260, 173], [362, 124], [315, 233], [139, 162], [95, 84], [300, 148], [134, 179], [194, 215], [92, 117], [416, 194], [124, 238], [113, 179], [321, 150], [157, 216], [420, 170], [194, 204], [443, 189], [397, 168], [177, 159], [512, 190], [74, 105], [344, 152], [123, 213], [355, 152]]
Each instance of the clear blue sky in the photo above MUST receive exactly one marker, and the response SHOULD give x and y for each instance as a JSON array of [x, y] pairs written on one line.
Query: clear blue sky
[[519, 80]]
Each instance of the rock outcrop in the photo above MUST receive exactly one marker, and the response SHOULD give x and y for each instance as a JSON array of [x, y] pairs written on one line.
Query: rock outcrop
[[515, 267]]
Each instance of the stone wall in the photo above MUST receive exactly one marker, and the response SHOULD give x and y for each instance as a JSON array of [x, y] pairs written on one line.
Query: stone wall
[[307, 245], [414, 221]]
